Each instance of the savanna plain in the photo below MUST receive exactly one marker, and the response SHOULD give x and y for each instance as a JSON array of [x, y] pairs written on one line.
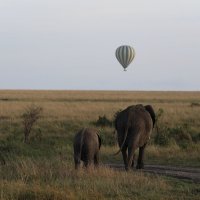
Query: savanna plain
[[43, 167]]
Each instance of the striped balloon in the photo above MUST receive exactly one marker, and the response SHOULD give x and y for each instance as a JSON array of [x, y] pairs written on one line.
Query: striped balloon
[[125, 55]]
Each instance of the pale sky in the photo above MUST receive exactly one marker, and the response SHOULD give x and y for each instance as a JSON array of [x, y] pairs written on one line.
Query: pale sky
[[62, 44]]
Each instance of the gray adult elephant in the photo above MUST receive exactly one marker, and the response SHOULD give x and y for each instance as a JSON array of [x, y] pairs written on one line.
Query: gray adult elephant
[[87, 144], [134, 126]]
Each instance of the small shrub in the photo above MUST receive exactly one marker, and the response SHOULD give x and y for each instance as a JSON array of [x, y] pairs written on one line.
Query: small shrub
[[103, 121], [196, 137], [162, 138], [107, 137], [30, 116], [159, 115], [195, 104], [38, 135], [180, 133]]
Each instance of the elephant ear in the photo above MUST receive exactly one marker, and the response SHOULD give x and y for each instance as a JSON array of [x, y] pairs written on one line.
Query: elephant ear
[[99, 140], [149, 108]]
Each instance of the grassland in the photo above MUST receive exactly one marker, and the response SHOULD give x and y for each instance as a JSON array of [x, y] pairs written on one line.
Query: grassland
[[43, 169]]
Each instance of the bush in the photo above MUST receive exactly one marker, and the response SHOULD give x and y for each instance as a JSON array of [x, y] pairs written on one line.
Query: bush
[[195, 137], [165, 135], [103, 121], [162, 138], [180, 134], [195, 104], [107, 137], [30, 116], [158, 121]]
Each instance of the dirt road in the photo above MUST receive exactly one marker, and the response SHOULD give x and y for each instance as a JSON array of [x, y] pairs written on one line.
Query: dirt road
[[188, 173]]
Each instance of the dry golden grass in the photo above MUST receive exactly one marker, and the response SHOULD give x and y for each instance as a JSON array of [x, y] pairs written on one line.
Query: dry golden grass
[[22, 190], [123, 95], [58, 180], [44, 169], [173, 155], [88, 105], [44, 180]]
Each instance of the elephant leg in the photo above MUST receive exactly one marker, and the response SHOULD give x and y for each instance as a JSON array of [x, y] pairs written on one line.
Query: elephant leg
[[131, 154], [132, 165], [140, 162], [88, 163], [124, 154], [96, 160], [85, 159], [77, 162]]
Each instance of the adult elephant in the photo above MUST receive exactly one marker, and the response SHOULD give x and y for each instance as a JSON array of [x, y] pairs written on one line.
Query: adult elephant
[[87, 144], [134, 126]]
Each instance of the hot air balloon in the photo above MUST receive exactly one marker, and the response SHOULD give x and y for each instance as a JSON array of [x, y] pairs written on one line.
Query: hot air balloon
[[125, 55]]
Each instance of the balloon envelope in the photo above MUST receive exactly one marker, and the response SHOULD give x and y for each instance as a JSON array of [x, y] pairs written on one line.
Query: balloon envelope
[[125, 55]]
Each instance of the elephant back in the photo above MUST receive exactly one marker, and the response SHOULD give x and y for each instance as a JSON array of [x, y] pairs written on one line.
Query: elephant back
[[134, 118], [88, 139]]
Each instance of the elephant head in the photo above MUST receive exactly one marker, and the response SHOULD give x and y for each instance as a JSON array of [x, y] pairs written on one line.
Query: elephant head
[[134, 126], [87, 144]]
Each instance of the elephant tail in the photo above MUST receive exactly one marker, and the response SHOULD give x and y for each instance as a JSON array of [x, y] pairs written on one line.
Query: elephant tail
[[81, 143], [125, 136]]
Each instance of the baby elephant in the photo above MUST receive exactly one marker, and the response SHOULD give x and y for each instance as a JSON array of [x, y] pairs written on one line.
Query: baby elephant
[[87, 144]]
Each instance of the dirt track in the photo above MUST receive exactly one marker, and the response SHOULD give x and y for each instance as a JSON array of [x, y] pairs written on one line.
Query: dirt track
[[188, 173]]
